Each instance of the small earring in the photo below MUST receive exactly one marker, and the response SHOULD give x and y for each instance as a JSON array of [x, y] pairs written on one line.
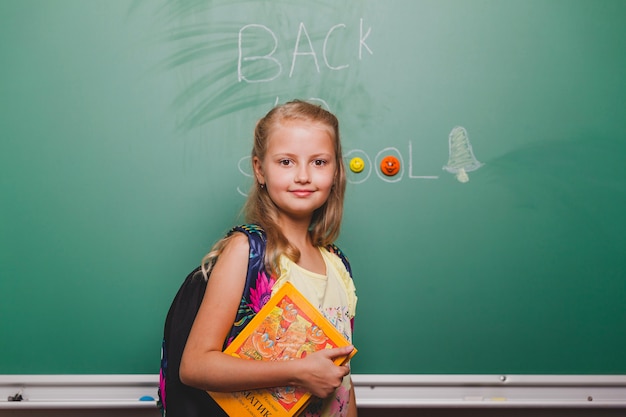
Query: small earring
[[261, 186]]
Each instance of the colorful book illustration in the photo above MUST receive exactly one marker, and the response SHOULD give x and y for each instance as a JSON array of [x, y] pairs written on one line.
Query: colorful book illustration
[[287, 327]]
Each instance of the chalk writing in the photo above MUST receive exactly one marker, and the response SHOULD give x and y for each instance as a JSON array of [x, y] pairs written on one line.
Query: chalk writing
[[250, 34], [243, 165]]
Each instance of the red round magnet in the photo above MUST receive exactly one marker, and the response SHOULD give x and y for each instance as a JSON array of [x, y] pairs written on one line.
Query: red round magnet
[[390, 165]]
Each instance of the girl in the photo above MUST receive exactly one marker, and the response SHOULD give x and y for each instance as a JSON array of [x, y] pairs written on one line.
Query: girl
[[295, 207]]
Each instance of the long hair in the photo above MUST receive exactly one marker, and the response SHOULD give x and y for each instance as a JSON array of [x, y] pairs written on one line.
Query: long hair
[[260, 209]]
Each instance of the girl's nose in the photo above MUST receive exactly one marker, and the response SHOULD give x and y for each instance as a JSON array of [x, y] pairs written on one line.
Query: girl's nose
[[302, 175]]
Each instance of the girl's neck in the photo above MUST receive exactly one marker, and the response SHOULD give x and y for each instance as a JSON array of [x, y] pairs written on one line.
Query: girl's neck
[[296, 232]]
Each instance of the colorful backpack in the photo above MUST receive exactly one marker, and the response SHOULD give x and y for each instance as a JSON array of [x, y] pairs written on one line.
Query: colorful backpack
[[175, 398]]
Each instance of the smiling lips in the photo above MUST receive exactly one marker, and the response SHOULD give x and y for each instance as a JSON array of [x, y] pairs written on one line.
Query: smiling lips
[[302, 193]]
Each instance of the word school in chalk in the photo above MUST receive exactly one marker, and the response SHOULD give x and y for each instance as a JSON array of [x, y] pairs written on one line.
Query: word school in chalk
[[255, 36], [371, 164]]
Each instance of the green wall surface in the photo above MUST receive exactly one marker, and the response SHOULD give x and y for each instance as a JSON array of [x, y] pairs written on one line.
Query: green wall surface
[[126, 127]]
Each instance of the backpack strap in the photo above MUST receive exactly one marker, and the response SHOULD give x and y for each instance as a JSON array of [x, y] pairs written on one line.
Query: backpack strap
[[258, 287], [332, 248]]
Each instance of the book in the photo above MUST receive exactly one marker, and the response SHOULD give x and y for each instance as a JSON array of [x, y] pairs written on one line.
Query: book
[[288, 327]]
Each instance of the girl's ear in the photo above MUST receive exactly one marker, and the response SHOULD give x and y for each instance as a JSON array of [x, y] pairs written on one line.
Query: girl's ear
[[258, 170]]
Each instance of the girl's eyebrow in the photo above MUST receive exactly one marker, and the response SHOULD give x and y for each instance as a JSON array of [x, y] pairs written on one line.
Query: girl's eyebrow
[[313, 156]]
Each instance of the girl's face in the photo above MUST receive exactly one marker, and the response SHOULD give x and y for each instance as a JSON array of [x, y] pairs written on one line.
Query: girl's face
[[299, 167]]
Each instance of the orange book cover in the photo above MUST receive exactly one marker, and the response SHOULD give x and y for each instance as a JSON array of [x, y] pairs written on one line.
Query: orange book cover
[[287, 327]]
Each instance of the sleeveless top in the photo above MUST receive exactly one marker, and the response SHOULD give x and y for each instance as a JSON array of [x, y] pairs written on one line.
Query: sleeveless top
[[177, 399], [334, 295]]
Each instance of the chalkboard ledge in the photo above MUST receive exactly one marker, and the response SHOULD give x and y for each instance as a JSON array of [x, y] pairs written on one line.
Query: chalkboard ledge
[[372, 391], [464, 391], [78, 391]]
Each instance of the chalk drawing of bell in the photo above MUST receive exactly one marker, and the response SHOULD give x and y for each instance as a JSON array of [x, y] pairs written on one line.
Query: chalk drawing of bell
[[461, 159]]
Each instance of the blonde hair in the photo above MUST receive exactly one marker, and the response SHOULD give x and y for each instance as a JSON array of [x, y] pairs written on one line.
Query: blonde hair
[[259, 207]]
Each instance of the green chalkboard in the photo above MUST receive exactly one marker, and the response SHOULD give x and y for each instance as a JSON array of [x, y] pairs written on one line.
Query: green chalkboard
[[126, 125]]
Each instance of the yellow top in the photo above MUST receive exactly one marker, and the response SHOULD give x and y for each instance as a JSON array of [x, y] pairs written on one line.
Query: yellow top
[[335, 297]]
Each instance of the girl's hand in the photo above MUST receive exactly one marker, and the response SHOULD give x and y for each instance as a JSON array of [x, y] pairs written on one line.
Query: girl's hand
[[319, 375]]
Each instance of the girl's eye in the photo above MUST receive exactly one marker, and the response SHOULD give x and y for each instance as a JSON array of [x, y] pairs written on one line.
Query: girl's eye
[[320, 162], [285, 162]]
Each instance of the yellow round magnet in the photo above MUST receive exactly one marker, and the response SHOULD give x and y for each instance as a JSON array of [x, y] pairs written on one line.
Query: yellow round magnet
[[357, 164]]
